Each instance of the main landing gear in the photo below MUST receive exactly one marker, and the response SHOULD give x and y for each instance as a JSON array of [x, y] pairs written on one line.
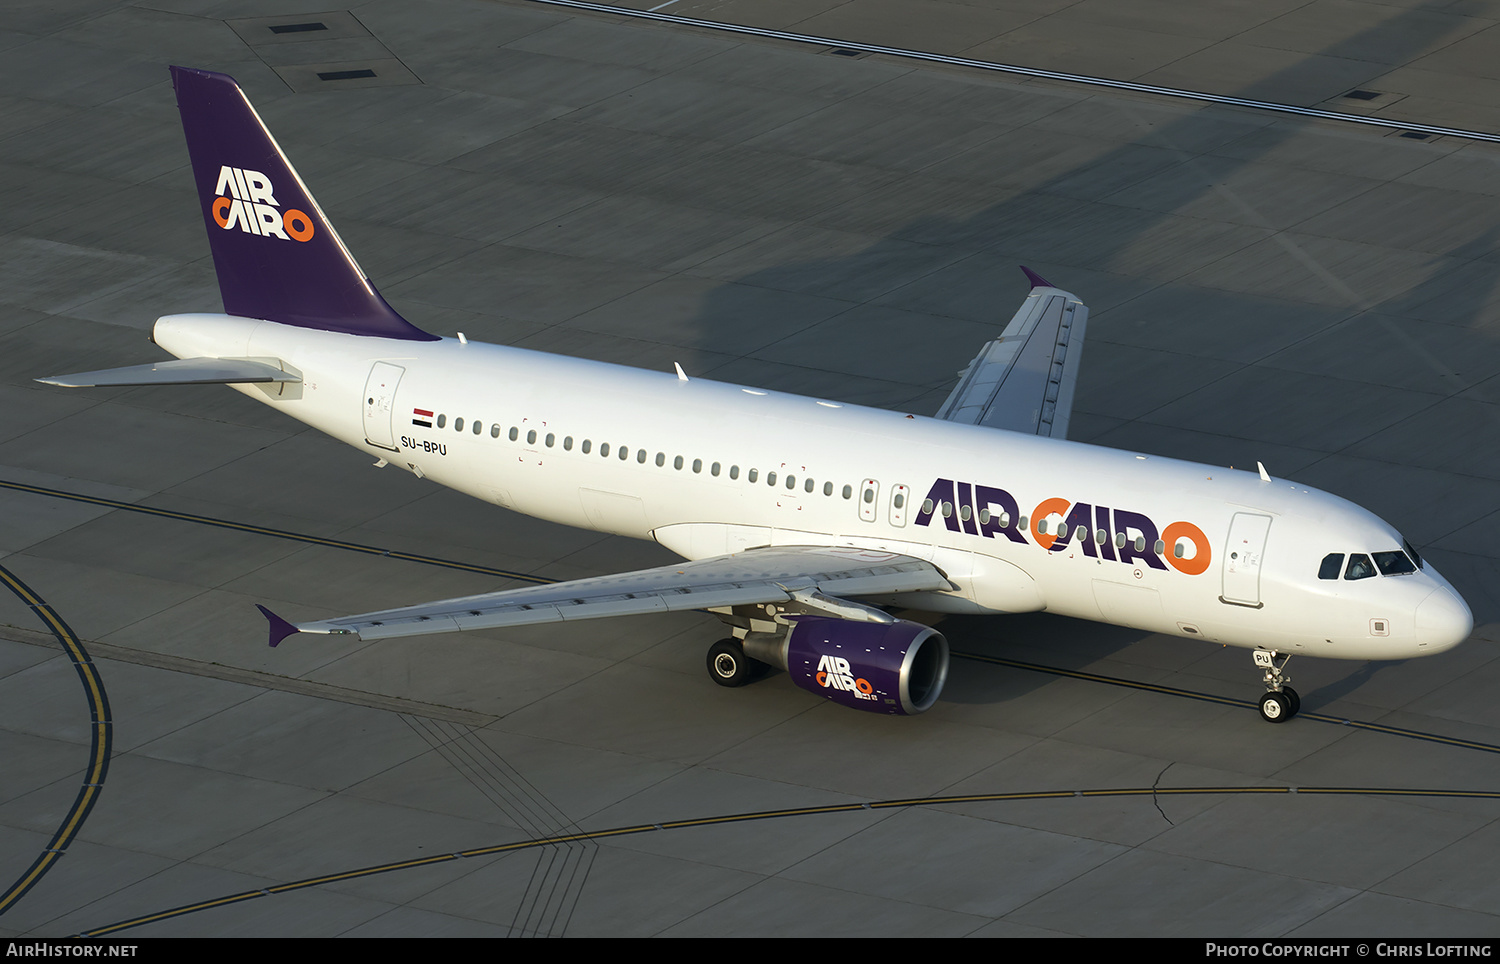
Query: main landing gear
[[1281, 702], [729, 666]]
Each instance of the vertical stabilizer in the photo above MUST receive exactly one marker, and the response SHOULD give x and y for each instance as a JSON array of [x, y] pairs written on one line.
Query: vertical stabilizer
[[277, 256]]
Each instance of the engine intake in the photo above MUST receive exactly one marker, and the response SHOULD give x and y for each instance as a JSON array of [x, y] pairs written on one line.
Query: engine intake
[[896, 668]]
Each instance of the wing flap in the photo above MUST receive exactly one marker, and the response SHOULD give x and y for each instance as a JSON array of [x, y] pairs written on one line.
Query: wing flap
[[1024, 380], [758, 576], [181, 371]]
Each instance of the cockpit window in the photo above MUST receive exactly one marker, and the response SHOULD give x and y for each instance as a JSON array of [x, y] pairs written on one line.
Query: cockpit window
[[1393, 563], [1332, 563], [1411, 551], [1360, 567]]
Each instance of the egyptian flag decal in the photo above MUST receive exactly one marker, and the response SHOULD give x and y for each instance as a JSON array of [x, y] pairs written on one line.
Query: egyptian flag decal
[[422, 417]]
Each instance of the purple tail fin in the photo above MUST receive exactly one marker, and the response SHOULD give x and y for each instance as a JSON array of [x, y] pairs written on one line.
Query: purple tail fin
[[277, 256]]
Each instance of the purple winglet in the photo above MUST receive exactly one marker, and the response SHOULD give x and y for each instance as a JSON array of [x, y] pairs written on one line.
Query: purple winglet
[[280, 628], [1037, 281]]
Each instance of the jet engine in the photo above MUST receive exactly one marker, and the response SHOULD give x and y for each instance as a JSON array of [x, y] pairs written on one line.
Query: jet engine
[[897, 668]]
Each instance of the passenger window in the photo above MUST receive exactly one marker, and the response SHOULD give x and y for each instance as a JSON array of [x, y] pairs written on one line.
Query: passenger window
[[714, 470], [964, 512], [1332, 564], [752, 475], [495, 430], [640, 456], [458, 425], [478, 426], [828, 488], [568, 444], [531, 437], [604, 450], [587, 445], [661, 459], [808, 485], [1359, 567], [734, 471], [515, 433], [442, 421], [550, 439], [770, 478], [848, 491], [947, 507]]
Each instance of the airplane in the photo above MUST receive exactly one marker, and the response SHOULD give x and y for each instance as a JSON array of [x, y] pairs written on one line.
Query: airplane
[[801, 521]]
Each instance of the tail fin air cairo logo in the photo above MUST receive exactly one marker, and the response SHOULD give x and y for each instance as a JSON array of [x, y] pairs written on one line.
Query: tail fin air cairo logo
[[251, 205]]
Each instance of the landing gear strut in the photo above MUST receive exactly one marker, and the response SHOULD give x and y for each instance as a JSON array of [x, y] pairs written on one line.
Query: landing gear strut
[[1281, 702]]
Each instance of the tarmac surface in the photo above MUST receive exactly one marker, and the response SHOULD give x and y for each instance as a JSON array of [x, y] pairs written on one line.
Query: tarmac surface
[[1314, 295]]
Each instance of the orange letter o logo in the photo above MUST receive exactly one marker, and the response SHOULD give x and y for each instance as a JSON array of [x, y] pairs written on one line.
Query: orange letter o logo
[[221, 211], [297, 224], [1201, 551]]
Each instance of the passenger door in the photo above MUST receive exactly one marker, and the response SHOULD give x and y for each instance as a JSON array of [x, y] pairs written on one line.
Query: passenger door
[[380, 404]]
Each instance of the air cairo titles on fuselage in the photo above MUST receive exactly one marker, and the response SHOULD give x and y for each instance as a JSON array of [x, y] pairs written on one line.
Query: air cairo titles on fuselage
[[1117, 535]]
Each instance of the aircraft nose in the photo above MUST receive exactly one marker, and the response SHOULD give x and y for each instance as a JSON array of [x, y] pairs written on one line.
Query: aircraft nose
[[1443, 621]]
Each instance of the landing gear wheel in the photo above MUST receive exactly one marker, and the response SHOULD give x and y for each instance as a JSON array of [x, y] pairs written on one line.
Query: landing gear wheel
[[728, 664], [1275, 708], [1281, 702]]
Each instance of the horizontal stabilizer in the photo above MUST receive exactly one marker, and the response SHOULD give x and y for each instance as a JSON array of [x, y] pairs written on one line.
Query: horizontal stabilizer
[[185, 371], [804, 574]]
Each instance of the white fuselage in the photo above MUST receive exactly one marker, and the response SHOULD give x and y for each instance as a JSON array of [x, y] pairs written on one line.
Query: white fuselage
[[1238, 561]]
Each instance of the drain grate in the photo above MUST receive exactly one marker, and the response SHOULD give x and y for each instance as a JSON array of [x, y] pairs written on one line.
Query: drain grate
[[296, 27], [322, 50], [345, 74]]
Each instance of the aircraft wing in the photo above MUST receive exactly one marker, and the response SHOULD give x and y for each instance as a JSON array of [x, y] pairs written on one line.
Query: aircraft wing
[[806, 576], [1024, 380]]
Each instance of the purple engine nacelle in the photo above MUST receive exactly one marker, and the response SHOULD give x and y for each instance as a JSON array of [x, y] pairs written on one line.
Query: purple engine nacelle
[[895, 668]]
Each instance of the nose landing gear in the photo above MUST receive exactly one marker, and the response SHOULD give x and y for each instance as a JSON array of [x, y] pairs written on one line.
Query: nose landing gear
[[1281, 702]]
